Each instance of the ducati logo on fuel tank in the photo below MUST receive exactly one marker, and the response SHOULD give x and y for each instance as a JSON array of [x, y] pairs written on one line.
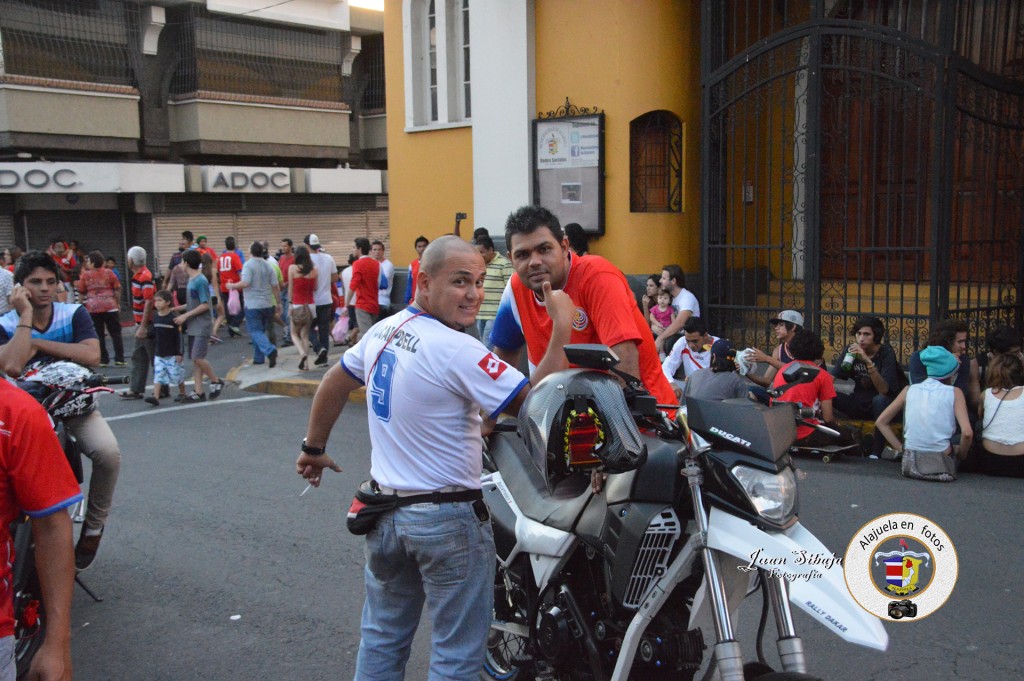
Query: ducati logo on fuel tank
[[730, 437], [901, 566]]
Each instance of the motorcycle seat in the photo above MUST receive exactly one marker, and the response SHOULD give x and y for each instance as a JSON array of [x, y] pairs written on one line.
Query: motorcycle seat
[[560, 510]]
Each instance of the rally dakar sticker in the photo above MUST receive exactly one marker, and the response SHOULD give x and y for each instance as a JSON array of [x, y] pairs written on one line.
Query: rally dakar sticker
[[580, 319], [492, 366], [901, 567]]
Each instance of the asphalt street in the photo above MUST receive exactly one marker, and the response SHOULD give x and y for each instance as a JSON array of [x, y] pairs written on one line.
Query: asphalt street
[[214, 567]]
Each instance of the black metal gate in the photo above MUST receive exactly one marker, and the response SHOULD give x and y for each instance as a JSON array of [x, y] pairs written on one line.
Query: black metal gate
[[862, 158]]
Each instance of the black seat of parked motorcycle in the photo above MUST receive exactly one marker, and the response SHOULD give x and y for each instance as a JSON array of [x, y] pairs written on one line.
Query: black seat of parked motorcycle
[[529, 488]]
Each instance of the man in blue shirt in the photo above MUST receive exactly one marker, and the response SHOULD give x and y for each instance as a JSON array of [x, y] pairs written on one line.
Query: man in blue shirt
[[39, 328]]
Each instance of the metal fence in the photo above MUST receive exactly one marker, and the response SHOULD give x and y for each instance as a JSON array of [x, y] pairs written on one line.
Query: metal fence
[[237, 56], [86, 42], [373, 97], [862, 158]]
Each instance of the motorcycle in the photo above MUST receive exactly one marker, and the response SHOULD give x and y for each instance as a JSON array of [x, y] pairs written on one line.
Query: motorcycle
[[615, 585], [65, 390]]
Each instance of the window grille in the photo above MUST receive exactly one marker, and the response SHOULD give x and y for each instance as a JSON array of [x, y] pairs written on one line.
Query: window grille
[[83, 41], [655, 168], [242, 57], [374, 98]]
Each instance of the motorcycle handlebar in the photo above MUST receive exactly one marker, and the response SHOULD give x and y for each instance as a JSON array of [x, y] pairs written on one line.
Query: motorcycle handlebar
[[97, 380], [820, 428]]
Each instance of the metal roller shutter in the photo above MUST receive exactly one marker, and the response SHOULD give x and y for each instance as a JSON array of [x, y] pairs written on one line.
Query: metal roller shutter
[[6, 231], [337, 231], [169, 228], [98, 230]]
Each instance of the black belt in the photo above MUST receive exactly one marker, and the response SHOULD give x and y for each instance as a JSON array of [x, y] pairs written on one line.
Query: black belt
[[440, 497]]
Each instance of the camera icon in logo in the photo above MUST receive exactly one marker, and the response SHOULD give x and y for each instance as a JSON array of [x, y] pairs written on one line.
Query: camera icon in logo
[[900, 609]]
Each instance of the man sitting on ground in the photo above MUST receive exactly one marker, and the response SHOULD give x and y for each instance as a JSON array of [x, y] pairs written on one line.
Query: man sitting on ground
[[718, 381], [684, 303], [877, 375], [692, 352], [785, 326], [952, 335]]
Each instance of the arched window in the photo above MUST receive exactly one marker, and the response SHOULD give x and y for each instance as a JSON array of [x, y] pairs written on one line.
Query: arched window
[[655, 163]]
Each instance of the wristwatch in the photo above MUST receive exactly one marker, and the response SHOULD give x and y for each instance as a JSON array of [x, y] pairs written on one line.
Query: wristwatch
[[312, 451]]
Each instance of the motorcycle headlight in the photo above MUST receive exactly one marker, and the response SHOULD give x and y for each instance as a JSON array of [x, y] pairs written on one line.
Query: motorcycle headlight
[[772, 494]]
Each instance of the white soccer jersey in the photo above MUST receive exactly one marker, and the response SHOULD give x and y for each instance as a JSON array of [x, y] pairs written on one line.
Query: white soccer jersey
[[681, 354], [424, 392]]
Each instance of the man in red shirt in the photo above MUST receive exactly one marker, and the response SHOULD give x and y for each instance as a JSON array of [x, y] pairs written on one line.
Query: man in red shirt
[[36, 479], [229, 269], [365, 285], [142, 312], [414, 269], [66, 261], [285, 260], [606, 311]]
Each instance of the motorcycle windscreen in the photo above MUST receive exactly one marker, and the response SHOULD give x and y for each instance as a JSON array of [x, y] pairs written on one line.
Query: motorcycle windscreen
[[815, 587]]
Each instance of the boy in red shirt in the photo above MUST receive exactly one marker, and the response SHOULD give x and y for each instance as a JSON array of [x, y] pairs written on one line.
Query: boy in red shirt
[[807, 348], [229, 269]]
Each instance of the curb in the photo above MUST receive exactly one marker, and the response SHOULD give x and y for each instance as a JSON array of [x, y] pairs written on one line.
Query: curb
[[290, 386]]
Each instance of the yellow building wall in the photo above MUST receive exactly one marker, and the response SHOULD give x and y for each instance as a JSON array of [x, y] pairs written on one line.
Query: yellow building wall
[[628, 58], [430, 174]]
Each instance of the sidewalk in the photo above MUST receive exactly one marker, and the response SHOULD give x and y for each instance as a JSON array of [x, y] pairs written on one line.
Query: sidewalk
[[286, 379]]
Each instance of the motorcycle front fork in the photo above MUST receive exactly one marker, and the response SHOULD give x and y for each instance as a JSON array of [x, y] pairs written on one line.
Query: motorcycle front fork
[[728, 655]]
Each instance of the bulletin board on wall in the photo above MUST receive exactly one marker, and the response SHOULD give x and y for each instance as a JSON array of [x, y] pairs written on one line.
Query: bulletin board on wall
[[568, 166]]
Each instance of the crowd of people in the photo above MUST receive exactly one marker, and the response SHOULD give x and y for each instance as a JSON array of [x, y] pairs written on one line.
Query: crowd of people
[[941, 401], [452, 352]]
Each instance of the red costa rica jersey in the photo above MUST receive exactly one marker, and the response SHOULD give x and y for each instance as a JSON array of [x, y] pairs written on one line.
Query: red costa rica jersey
[[606, 313], [34, 478], [229, 267]]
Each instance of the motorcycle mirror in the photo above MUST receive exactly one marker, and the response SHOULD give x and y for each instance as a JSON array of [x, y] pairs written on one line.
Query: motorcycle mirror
[[591, 356]]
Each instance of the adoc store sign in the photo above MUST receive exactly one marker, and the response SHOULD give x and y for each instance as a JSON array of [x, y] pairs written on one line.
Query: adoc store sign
[[243, 179], [90, 178]]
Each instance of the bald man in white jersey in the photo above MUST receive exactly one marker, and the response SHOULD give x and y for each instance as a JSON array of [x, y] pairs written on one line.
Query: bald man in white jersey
[[426, 385]]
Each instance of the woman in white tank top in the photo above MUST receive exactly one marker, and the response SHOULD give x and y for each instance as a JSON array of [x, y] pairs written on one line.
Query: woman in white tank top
[[1002, 418], [933, 407]]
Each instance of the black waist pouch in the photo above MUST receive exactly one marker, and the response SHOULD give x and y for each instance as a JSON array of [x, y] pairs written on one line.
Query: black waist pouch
[[369, 504]]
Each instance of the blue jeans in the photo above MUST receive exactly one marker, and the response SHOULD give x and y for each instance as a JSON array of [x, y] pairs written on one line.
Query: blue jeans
[[257, 320], [484, 327], [441, 554], [8, 667], [285, 310]]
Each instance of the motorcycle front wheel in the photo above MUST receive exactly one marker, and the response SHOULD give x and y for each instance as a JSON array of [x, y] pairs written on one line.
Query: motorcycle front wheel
[[502, 648]]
